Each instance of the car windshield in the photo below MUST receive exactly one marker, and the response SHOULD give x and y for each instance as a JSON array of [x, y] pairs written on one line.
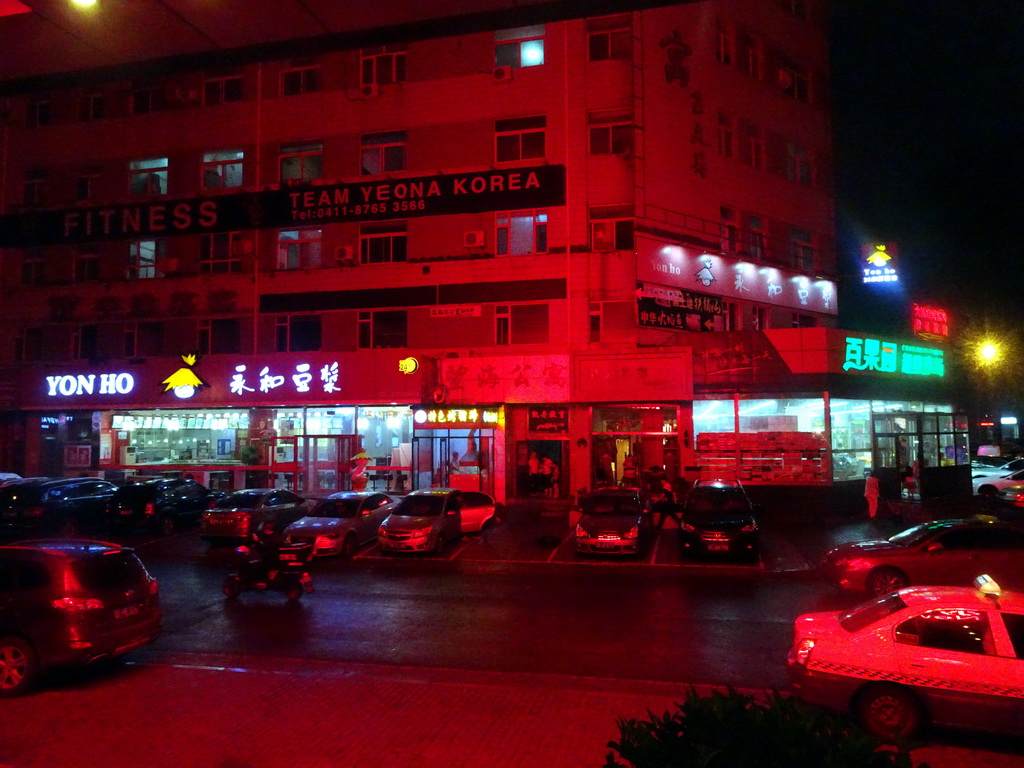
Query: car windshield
[[604, 506], [241, 500], [918, 533], [705, 503], [111, 570], [336, 508], [866, 614], [420, 506]]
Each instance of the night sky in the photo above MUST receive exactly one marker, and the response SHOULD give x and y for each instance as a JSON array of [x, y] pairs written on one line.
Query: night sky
[[928, 104]]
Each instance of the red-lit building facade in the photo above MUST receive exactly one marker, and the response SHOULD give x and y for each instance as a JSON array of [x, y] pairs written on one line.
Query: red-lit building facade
[[589, 239]]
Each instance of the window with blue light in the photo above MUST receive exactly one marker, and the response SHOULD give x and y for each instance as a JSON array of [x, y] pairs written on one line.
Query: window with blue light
[[520, 47]]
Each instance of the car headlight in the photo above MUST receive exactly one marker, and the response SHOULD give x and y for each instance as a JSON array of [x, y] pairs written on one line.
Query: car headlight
[[330, 536], [802, 651], [421, 533], [632, 533], [687, 527], [581, 532]]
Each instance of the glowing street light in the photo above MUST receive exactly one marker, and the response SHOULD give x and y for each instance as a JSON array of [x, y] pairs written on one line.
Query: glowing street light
[[989, 353]]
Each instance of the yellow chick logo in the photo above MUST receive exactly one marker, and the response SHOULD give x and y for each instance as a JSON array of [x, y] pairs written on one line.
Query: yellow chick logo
[[184, 381], [879, 258], [408, 365]]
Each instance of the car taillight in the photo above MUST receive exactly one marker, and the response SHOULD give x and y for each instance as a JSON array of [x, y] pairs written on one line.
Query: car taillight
[[802, 652], [76, 604], [687, 527], [154, 587], [150, 508], [749, 527], [633, 532], [33, 511]]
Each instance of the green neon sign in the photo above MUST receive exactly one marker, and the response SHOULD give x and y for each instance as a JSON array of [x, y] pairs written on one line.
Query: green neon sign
[[893, 357]]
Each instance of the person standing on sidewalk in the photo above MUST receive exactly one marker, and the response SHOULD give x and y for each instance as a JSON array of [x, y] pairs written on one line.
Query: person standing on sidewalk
[[871, 493]]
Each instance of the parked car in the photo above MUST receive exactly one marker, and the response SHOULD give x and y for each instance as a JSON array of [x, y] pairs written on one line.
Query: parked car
[[988, 485], [161, 504], [718, 518], [238, 515], [341, 522], [47, 506], [939, 552], [1010, 499], [425, 520], [6, 478], [997, 471], [69, 602], [614, 521], [950, 656]]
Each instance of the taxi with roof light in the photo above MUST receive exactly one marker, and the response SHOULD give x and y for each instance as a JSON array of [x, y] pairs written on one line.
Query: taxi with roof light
[[949, 656]]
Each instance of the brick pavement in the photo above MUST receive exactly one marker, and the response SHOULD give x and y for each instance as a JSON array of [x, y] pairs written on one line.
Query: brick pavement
[[206, 712]]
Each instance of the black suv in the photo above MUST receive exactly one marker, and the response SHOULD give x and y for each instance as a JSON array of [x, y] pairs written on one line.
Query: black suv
[[718, 519], [68, 602], [161, 504], [46, 506]]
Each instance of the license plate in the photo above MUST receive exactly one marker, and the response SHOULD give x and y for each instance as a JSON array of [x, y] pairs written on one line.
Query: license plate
[[718, 547], [126, 511], [124, 613], [603, 545], [289, 557]]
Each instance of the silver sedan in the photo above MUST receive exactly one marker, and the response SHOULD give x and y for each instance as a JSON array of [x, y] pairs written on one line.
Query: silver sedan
[[341, 522]]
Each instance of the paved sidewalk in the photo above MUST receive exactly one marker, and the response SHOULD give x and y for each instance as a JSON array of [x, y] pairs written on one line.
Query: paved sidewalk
[[206, 712]]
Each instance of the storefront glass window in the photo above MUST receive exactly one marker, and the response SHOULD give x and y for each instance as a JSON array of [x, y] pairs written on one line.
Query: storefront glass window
[[713, 416], [627, 441], [851, 439]]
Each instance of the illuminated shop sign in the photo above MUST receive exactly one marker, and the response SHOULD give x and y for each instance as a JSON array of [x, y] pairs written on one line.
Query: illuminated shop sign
[[682, 311], [408, 365], [892, 357], [878, 263], [89, 384], [551, 419], [454, 418], [930, 322], [184, 382], [462, 310], [439, 194], [299, 379]]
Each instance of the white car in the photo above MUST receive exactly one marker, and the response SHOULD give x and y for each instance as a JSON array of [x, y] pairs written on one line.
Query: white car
[[950, 656], [1003, 469], [988, 485]]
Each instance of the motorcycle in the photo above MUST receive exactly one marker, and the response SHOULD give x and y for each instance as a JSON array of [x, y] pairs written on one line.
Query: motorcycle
[[281, 566]]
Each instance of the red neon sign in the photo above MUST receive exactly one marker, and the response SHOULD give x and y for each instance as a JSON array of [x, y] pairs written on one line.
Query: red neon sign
[[930, 322]]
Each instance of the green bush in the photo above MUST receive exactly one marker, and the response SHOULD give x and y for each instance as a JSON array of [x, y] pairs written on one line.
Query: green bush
[[732, 730]]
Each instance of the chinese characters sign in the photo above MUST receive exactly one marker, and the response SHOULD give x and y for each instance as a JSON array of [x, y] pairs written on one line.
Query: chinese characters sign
[[550, 419], [930, 322], [455, 418], [892, 357], [879, 264], [675, 313]]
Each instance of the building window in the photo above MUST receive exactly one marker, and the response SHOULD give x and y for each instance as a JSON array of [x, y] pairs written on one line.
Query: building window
[[751, 145], [521, 324], [142, 258], [223, 169], [798, 164], [804, 321], [726, 135], [519, 138], [382, 152], [298, 333], [35, 188], [33, 267], [381, 242], [730, 229], [84, 185], [801, 249], [761, 316], [38, 113], [91, 107], [725, 51], [752, 57], [382, 65], [522, 47], [84, 339], [148, 177], [521, 232], [755, 238], [221, 253], [221, 90], [795, 82], [87, 264], [300, 76], [28, 345], [220, 337], [142, 340], [595, 322], [383, 330], [729, 320], [611, 228], [610, 134], [301, 162], [610, 37], [146, 99], [299, 248]]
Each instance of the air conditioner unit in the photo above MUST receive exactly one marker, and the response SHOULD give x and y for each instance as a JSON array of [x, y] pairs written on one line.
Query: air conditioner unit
[[345, 255], [368, 91], [503, 73], [474, 239]]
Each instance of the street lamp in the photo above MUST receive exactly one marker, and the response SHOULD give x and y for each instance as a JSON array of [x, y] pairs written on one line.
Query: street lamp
[[989, 353]]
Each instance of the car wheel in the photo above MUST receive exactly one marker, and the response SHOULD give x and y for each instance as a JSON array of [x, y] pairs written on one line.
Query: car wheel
[[438, 547], [349, 546], [886, 579], [232, 587], [19, 666], [987, 491], [889, 712], [166, 525], [294, 592]]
